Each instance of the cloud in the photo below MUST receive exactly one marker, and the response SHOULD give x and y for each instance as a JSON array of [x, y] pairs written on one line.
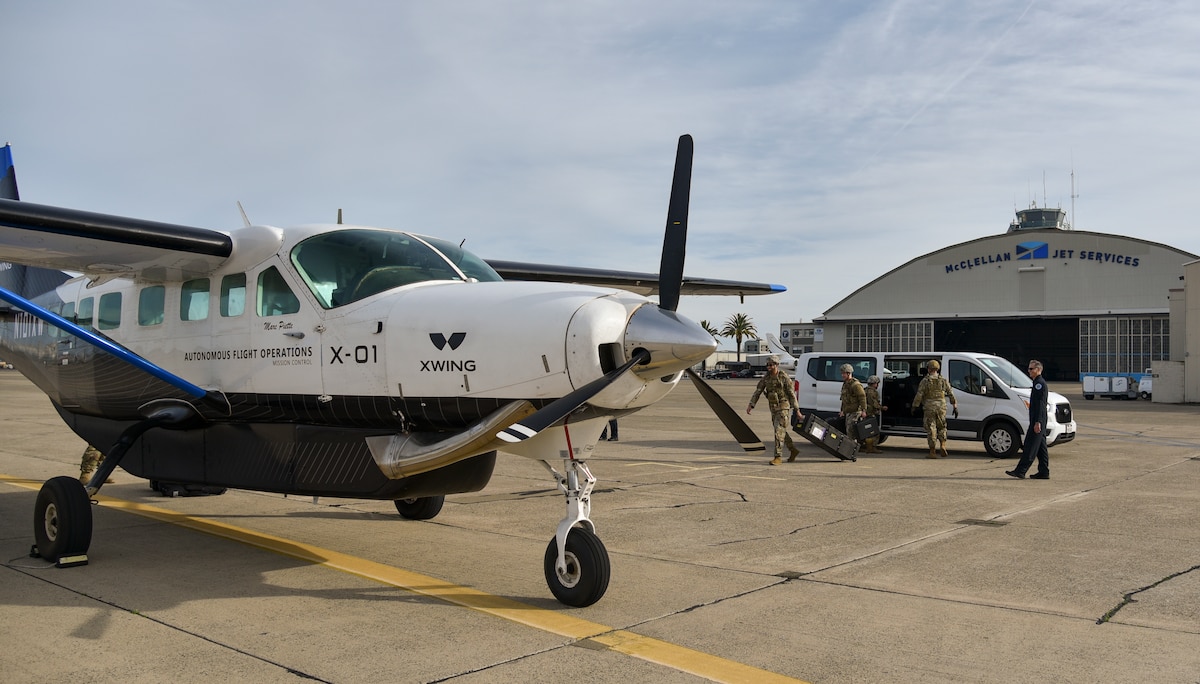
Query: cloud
[[833, 142]]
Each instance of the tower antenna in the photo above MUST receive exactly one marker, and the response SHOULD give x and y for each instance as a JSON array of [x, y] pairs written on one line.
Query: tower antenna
[[1073, 193]]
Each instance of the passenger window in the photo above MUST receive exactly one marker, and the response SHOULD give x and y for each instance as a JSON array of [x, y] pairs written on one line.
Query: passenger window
[[233, 295], [830, 368], [275, 298], [193, 300], [84, 317], [151, 303], [110, 311], [967, 377], [68, 312]]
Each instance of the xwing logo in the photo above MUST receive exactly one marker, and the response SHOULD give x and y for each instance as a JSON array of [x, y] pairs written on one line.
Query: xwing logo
[[439, 340], [454, 342], [1033, 250]]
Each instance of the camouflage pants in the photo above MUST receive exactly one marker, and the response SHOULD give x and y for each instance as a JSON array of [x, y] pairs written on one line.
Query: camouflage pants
[[935, 426], [852, 419], [782, 421], [91, 460]]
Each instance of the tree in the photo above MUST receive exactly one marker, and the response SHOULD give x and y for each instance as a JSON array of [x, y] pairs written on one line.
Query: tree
[[739, 326], [711, 329]]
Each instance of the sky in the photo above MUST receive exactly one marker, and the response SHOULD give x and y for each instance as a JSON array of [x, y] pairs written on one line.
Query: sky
[[834, 142]]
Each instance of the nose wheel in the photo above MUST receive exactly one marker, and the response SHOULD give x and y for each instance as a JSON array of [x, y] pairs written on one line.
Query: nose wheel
[[576, 563], [583, 578]]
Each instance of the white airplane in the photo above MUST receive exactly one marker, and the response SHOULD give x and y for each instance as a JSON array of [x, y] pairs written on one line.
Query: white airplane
[[787, 362], [338, 360]]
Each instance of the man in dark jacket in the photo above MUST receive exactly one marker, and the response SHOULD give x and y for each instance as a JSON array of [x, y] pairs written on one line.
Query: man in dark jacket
[[1035, 436]]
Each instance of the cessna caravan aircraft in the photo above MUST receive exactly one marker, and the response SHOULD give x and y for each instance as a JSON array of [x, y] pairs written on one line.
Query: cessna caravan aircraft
[[338, 361]]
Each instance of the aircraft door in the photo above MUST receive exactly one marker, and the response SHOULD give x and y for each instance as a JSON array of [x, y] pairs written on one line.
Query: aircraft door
[[284, 349]]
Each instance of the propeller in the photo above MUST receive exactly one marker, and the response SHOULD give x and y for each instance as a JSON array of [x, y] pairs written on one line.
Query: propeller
[[670, 269], [560, 408], [673, 338]]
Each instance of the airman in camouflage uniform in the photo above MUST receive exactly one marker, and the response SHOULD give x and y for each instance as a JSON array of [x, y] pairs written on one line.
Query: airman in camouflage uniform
[[931, 394], [874, 408], [854, 399], [780, 396]]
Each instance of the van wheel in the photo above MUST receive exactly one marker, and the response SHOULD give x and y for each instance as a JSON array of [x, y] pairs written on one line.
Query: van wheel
[[881, 439], [1001, 441], [1146, 396], [1089, 397]]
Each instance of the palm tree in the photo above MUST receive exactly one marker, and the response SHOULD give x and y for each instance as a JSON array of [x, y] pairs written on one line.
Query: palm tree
[[737, 327], [711, 329]]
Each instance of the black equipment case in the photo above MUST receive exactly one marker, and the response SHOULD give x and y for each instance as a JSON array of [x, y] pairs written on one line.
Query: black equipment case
[[824, 435], [867, 428]]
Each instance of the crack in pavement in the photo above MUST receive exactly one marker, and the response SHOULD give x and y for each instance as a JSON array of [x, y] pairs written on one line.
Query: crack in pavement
[[1129, 597]]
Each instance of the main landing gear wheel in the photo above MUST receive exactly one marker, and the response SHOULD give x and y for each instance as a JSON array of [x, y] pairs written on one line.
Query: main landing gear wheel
[[423, 508], [587, 573], [62, 519]]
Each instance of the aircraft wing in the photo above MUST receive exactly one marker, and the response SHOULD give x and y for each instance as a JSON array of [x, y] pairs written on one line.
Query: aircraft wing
[[641, 283], [100, 244]]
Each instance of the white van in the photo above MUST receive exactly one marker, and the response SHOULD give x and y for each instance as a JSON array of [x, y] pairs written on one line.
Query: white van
[[992, 394]]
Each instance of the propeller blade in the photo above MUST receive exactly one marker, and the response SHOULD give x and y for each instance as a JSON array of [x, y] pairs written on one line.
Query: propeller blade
[[733, 422], [559, 408], [670, 270]]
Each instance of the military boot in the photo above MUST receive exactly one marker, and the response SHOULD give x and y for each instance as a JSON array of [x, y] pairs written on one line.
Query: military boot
[[944, 452], [871, 447], [794, 454], [932, 452], [777, 460]]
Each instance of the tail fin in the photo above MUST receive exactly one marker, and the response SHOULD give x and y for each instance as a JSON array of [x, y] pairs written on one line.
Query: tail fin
[[26, 281], [8, 182]]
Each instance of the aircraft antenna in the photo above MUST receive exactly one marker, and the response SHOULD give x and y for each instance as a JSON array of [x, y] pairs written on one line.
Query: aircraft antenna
[[339, 216], [245, 219]]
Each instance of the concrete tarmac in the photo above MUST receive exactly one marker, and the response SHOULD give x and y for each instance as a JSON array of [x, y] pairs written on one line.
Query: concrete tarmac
[[724, 568]]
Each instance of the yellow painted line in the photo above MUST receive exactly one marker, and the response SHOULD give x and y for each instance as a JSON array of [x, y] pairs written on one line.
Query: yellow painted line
[[645, 648]]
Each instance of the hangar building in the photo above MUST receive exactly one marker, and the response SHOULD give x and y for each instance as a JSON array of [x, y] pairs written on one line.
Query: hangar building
[[1080, 302]]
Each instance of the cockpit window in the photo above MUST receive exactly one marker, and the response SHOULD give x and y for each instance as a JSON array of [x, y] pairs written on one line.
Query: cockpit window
[[468, 263], [348, 265]]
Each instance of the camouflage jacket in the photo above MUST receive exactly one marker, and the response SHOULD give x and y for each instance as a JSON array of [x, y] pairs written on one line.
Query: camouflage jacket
[[778, 388], [873, 403], [932, 393], [854, 398]]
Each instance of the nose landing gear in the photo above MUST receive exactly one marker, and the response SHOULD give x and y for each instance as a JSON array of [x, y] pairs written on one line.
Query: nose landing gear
[[576, 563]]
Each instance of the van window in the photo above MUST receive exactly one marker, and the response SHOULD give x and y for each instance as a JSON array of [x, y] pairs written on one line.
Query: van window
[[233, 295], [966, 377], [193, 300], [275, 298], [151, 302], [830, 368], [110, 311]]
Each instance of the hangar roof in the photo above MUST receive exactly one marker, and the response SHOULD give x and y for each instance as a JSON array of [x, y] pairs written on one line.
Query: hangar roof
[[1044, 272]]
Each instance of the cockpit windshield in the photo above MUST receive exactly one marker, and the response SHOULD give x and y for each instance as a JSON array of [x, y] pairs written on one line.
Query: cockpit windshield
[[348, 265]]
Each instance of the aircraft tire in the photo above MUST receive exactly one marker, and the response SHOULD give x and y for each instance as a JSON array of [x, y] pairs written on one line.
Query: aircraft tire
[[62, 518], [423, 508], [588, 569]]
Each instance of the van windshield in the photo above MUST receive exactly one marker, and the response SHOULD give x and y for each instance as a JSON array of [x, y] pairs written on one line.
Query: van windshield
[[1008, 373]]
